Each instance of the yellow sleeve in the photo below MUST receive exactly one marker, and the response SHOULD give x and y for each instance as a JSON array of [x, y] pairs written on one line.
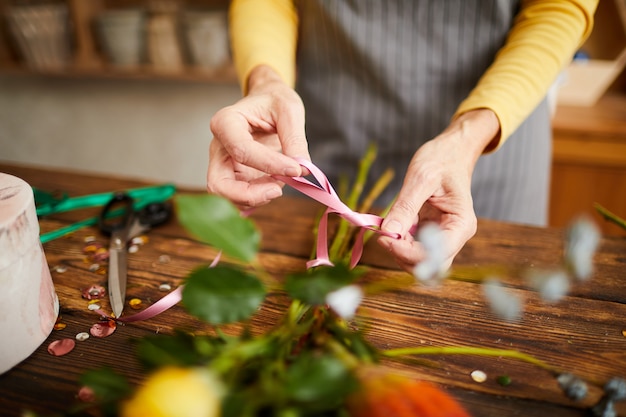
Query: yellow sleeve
[[542, 41], [264, 32]]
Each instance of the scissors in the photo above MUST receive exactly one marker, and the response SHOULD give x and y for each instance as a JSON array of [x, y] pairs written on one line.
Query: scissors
[[122, 222], [49, 203]]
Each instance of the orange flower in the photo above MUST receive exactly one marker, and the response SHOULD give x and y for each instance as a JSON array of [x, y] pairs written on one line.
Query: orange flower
[[383, 394]]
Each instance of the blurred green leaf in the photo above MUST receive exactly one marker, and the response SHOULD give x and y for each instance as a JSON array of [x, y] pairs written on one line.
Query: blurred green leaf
[[107, 385], [312, 287], [222, 294], [322, 382], [217, 222], [179, 349]]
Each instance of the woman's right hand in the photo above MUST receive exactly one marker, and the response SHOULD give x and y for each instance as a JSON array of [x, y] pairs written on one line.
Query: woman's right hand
[[256, 138]]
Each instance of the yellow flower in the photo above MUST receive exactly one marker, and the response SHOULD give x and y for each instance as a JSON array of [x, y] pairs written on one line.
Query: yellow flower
[[179, 392]]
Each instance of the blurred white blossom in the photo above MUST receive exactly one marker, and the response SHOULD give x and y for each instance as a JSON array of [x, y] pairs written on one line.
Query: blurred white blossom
[[345, 300], [581, 243], [432, 268], [503, 303], [552, 285]]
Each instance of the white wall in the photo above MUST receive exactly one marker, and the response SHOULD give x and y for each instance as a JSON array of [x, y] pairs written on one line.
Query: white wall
[[148, 129]]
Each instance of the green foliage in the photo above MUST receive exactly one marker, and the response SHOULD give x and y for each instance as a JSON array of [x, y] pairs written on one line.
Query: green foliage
[[222, 294], [319, 381], [179, 349], [108, 387], [312, 287], [217, 222]]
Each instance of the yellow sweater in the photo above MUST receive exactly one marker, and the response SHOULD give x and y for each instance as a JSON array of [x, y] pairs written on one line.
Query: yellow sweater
[[545, 35]]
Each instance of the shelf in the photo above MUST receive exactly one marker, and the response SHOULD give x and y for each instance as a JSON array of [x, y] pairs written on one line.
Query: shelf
[[167, 53], [226, 76]]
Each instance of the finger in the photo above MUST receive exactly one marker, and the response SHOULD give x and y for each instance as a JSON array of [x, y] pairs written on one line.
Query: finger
[[404, 212], [290, 129], [245, 192], [233, 130]]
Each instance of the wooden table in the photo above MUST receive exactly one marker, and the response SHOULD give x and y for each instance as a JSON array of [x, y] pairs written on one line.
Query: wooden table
[[584, 333]]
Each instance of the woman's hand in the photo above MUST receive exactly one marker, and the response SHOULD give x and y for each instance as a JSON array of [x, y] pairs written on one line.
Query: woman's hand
[[256, 138], [437, 188]]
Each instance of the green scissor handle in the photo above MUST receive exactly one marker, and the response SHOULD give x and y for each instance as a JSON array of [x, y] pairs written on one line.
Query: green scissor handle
[[142, 196]]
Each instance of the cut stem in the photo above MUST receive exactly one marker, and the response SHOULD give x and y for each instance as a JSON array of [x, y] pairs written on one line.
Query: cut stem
[[612, 217], [469, 350]]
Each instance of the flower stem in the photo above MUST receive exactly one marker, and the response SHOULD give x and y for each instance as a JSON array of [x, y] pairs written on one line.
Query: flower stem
[[469, 350], [352, 201], [610, 216]]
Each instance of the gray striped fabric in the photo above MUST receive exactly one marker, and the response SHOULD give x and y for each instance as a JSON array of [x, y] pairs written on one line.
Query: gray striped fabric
[[393, 72]]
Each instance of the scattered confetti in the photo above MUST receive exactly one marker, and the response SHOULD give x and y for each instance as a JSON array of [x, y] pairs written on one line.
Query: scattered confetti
[[86, 395], [478, 376], [82, 336], [94, 292], [135, 303], [89, 239], [59, 326], [103, 329], [163, 259], [93, 307], [92, 247], [140, 240], [504, 380], [100, 255], [168, 287], [624, 333], [60, 269], [94, 267], [61, 347], [133, 249]]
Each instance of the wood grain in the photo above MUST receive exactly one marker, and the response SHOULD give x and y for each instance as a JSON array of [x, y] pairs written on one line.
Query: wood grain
[[582, 333]]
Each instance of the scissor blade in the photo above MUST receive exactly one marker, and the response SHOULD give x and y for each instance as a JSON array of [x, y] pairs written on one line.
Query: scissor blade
[[117, 277]]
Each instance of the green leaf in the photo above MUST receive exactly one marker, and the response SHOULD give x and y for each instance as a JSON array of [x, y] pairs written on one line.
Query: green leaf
[[222, 294], [319, 381], [217, 222], [107, 385], [312, 287], [179, 349]]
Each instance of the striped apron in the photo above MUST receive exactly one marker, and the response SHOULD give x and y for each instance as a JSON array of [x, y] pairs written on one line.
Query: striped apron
[[393, 72]]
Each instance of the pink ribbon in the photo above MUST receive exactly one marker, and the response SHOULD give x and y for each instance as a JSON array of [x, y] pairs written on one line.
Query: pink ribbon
[[158, 307], [325, 194]]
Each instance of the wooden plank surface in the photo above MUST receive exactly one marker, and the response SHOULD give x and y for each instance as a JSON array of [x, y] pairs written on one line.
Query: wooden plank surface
[[582, 333]]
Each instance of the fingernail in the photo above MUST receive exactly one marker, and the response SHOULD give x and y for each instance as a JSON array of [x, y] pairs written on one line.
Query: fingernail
[[393, 226], [292, 172], [273, 193]]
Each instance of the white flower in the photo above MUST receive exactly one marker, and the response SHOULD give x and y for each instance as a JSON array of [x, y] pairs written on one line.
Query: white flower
[[504, 304], [581, 243], [345, 300], [432, 268], [551, 285]]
